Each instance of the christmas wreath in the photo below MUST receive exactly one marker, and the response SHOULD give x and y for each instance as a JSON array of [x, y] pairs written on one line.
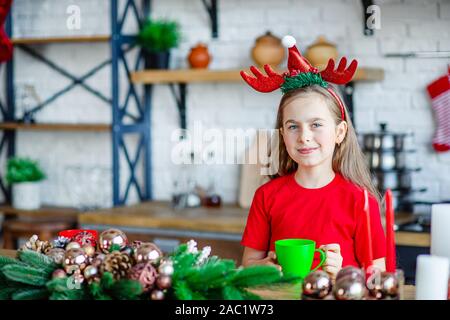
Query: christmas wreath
[[80, 265]]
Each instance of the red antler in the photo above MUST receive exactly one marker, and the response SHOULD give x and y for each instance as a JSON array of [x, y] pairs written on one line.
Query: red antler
[[341, 75], [263, 83]]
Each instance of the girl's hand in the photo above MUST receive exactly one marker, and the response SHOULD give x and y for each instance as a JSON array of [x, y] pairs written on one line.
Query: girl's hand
[[270, 260], [333, 261]]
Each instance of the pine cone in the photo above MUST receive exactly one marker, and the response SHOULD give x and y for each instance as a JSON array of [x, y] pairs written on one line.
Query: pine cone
[[37, 245], [45, 246], [118, 263]]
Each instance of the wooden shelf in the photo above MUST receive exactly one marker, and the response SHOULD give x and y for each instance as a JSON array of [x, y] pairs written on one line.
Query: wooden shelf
[[55, 126], [205, 75], [99, 38]]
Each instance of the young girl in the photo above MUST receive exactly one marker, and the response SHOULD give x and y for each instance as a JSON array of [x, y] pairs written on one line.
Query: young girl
[[318, 191]]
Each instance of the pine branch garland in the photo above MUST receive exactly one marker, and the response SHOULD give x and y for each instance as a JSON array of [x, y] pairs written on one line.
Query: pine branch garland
[[212, 274], [6, 293], [256, 275], [182, 291], [25, 274], [57, 285], [37, 260], [7, 260], [126, 289], [107, 280], [232, 293], [97, 292], [30, 294], [60, 290]]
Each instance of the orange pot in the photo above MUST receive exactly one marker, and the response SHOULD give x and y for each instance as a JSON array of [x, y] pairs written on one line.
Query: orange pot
[[199, 56]]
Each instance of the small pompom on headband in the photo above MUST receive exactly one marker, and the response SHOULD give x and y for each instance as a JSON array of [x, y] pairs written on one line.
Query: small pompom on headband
[[301, 74]]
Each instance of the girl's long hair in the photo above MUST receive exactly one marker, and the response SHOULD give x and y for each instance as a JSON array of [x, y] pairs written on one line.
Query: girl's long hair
[[348, 158]]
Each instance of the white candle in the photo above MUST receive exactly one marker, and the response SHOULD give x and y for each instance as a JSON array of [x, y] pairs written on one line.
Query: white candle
[[431, 277], [440, 230]]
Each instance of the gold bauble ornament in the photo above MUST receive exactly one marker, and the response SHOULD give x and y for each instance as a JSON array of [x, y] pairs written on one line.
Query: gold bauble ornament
[[111, 237], [89, 250], [73, 245], [75, 259], [90, 272], [157, 295], [164, 282], [147, 252]]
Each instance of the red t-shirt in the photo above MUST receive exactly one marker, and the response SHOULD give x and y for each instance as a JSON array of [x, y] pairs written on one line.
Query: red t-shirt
[[283, 209]]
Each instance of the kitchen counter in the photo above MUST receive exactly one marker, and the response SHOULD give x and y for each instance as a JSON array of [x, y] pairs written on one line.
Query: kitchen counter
[[228, 220]]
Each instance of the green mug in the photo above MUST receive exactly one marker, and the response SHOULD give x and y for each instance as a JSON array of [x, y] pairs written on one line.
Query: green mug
[[296, 256]]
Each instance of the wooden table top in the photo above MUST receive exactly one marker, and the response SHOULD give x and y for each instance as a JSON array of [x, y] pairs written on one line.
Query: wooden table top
[[226, 219], [292, 292]]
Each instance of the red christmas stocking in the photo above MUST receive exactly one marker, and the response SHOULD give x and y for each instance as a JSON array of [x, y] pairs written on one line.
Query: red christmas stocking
[[439, 92], [6, 47]]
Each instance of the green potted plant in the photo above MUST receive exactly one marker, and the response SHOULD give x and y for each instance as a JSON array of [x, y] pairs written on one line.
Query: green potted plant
[[25, 176], [157, 37]]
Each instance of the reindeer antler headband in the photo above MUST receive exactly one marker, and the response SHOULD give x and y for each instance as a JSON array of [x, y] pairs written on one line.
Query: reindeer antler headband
[[301, 74]]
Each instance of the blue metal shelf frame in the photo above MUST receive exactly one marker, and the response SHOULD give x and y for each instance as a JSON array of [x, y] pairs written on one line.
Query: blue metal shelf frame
[[8, 141], [120, 44]]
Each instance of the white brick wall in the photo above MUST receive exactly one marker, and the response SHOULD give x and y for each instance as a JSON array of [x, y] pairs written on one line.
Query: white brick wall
[[400, 99]]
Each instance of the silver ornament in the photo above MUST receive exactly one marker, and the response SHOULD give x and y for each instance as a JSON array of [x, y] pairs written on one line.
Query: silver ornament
[[353, 272], [349, 288], [316, 285], [383, 285]]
